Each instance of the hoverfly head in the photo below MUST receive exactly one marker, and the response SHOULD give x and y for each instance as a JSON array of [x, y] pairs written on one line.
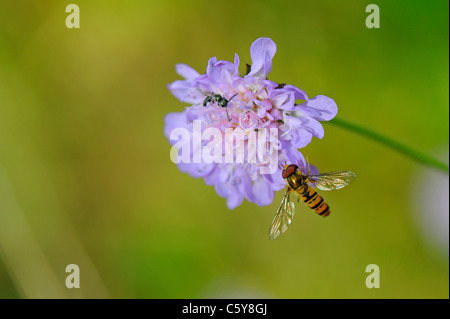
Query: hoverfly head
[[288, 170]]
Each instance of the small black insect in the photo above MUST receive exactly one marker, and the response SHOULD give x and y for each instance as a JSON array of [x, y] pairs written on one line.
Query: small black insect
[[221, 101]]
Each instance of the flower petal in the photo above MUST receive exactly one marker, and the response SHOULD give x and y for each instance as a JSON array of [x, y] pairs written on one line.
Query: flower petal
[[320, 107], [196, 169], [236, 65], [231, 193], [186, 71], [172, 121], [298, 94], [313, 126], [186, 92], [259, 48], [263, 192], [284, 100], [301, 138], [262, 52]]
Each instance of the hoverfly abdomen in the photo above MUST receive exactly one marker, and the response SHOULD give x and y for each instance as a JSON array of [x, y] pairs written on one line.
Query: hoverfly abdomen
[[314, 200]]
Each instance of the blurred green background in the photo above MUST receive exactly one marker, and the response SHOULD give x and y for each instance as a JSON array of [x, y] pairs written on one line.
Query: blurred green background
[[86, 178]]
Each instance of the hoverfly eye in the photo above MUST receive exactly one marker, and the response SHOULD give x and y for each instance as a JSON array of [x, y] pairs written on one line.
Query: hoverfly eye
[[285, 174]]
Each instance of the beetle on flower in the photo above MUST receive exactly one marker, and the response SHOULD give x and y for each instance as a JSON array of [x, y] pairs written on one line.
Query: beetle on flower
[[254, 103]]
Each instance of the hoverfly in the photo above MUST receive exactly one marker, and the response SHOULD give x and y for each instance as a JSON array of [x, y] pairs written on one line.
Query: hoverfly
[[221, 101], [298, 182]]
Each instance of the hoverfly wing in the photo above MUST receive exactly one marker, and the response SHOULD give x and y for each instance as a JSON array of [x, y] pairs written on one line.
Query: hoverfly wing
[[283, 217], [332, 180]]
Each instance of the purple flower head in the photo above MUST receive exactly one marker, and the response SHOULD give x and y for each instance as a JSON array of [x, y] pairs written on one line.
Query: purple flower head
[[254, 105]]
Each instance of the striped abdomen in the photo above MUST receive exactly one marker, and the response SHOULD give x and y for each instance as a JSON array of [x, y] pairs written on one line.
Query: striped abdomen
[[313, 200]]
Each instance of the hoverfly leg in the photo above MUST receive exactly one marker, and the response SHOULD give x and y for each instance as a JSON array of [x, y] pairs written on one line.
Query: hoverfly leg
[[307, 162]]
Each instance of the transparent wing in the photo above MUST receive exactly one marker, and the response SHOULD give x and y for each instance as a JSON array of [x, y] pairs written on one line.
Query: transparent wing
[[332, 180], [283, 217]]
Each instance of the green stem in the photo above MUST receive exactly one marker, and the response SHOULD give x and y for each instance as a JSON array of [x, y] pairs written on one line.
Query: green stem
[[401, 148]]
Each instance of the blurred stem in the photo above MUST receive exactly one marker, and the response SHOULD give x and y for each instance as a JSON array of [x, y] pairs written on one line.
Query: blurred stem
[[401, 148]]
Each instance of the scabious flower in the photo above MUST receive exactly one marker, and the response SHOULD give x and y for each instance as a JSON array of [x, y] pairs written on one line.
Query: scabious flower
[[260, 104]]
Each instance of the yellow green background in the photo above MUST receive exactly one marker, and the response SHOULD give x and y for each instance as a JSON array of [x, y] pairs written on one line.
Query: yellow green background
[[86, 178]]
